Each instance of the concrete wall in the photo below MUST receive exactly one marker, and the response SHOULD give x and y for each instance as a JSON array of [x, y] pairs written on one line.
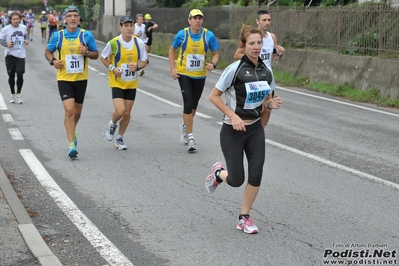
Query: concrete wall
[[120, 7], [363, 72]]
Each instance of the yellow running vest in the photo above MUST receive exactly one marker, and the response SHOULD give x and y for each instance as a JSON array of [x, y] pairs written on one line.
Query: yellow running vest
[[75, 64], [120, 57], [192, 56]]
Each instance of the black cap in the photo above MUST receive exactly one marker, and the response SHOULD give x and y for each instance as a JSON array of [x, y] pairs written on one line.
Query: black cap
[[125, 19]]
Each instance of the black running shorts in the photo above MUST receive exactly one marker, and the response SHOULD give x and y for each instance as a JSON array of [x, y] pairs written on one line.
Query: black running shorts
[[72, 89], [128, 94], [15, 64]]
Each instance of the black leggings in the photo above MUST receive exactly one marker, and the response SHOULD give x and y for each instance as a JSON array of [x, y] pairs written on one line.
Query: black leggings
[[20, 81], [14, 66], [191, 90], [234, 143]]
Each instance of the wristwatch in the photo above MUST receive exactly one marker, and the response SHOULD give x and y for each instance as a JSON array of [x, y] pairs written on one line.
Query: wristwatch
[[214, 65], [51, 61], [87, 52]]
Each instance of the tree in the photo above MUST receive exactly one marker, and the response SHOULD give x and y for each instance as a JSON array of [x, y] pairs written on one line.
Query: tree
[[170, 3]]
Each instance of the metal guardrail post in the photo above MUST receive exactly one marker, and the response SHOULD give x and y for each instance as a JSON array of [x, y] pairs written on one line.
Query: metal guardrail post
[[339, 28], [381, 32]]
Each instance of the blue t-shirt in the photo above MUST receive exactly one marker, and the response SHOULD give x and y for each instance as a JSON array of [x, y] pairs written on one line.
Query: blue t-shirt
[[210, 38], [87, 35]]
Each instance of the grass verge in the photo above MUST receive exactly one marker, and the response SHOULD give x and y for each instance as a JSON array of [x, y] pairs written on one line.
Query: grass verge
[[346, 90]]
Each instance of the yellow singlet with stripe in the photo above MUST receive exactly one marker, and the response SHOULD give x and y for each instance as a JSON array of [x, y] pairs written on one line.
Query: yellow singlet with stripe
[[75, 64], [192, 56], [120, 57]]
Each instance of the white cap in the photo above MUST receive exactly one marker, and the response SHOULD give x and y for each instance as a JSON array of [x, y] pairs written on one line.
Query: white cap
[[43, 12]]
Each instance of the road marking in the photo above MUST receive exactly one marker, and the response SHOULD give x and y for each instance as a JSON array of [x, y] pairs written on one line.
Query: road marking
[[93, 69], [336, 165], [99, 241], [340, 102], [3, 105], [7, 118], [171, 103], [15, 134]]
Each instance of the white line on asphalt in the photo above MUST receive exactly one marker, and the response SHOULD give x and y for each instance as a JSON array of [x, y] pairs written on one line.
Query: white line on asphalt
[[336, 165], [170, 103], [99, 241], [3, 105], [337, 101], [15, 134], [93, 69], [7, 118]]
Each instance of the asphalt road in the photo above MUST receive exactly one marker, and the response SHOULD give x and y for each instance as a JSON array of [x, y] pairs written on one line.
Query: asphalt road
[[330, 178]]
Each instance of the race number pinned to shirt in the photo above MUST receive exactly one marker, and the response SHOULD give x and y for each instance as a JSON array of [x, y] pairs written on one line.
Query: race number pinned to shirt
[[127, 75], [17, 41], [44, 24], [257, 92], [74, 63], [195, 62]]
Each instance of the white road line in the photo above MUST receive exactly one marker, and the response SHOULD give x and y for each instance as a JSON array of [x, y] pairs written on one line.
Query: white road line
[[3, 105], [336, 165], [7, 118], [170, 103], [15, 134], [99, 241], [93, 69], [340, 102], [159, 98]]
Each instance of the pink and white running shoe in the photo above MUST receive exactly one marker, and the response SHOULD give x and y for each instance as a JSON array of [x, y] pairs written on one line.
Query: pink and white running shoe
[[246, 224], [210, 182]]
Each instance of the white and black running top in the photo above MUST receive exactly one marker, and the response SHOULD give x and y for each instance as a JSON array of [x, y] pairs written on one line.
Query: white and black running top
[[246, 86]]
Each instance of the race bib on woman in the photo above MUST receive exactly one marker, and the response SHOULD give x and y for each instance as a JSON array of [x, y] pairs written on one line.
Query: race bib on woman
[[257, 92]]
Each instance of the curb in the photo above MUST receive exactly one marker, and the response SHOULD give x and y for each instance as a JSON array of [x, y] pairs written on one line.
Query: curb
[[29, 232]]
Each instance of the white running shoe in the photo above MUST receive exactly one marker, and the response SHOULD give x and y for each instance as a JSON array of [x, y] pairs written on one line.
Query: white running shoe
[[12, 98], [120, 145], [109, 134], [18, 98], [191, 145], [184, 137]]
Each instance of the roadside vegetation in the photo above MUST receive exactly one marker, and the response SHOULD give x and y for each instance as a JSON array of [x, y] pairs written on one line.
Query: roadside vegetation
[[346, 90]]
